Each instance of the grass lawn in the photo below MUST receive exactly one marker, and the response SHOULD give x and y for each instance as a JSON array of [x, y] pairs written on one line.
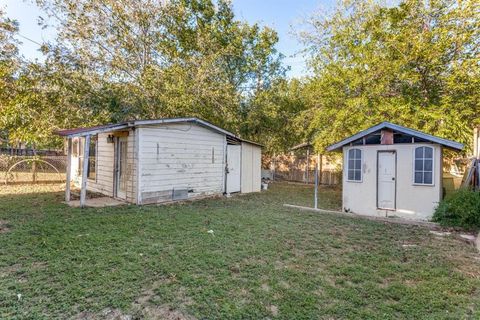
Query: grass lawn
[[263, 261]]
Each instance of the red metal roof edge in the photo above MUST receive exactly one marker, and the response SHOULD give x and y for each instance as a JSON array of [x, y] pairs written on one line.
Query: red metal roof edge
[[67, 132]]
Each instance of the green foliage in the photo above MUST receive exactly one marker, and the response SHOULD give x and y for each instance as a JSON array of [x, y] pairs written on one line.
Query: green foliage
[[415, 64], [270, 116], [119, 60], [9, 65], [168, 59], [460, 209]]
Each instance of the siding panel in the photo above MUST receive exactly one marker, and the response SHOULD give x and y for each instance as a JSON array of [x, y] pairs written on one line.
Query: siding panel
[[180, 156], [251, 168]]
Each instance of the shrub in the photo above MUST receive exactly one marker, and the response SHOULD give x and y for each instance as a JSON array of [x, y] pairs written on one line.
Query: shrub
[[460, 209]]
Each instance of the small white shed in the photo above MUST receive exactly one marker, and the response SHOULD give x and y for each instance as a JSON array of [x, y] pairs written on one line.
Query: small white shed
[[390, 170], [154, 161]]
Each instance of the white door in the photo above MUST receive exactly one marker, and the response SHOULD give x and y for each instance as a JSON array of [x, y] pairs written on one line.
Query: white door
[[121, 168], [233, 168], [386, 175]]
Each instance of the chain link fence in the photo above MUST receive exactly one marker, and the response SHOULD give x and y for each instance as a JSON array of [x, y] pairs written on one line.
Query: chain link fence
[[32, 169]]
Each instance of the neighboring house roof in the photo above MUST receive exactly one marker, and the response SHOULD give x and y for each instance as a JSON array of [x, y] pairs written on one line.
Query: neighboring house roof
[[80, 132], [397, 128]]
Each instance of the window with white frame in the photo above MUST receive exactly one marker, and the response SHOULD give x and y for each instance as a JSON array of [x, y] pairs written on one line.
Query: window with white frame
[[354, 165], [423, 166]]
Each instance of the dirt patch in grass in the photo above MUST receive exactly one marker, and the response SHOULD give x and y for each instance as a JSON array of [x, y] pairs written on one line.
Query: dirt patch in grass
[[4, 226], [265, 287], [31, 188], [144, 306], [10, 271], [164, 313], [148, 294], [273, 310], [105, 314]]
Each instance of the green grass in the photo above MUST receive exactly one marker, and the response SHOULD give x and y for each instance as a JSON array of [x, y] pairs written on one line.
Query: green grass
[[264, 260]]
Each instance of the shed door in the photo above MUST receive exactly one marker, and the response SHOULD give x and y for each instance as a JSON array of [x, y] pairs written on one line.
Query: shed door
[[386, 175], [233, 168], [121, 168]]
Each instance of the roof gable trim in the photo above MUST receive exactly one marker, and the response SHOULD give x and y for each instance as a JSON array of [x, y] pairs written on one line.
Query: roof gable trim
[[387, 125]]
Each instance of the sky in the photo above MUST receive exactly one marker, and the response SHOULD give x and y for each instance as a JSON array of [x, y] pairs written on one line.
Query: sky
[[284, 16]]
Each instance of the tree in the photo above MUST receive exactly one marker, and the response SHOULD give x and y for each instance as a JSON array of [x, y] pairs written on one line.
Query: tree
[[49, 96], [273, 116], [166, 59], [415, 64], [9, 66]]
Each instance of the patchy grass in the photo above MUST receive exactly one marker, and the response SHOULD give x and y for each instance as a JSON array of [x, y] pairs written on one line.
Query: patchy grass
[[263, 261]]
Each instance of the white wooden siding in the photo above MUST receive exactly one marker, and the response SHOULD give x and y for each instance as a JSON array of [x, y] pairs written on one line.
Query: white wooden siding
[[251, 168], [179, 156]]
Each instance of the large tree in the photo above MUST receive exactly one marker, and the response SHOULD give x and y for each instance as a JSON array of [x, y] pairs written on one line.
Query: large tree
[[274, 118], [9, 66], [415, 64], [167, 58]]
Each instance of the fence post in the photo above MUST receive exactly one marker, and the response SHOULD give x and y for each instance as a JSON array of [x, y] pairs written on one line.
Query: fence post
[[34, 171]]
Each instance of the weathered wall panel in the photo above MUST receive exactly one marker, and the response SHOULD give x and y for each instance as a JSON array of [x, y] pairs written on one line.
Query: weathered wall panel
[[180, 156]]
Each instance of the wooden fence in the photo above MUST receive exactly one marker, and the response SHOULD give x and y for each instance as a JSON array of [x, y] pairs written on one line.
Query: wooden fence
[[302, 169]]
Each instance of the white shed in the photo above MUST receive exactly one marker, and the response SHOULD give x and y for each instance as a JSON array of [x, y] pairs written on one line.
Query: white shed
[[390, 170], [154, 161]]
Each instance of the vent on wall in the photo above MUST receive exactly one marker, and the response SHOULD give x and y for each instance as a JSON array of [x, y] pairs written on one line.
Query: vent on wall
[[233, 140], [179, 194]]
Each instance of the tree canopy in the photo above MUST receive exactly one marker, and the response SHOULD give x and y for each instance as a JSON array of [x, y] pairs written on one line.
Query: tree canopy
[[415, 64], [118, 60]]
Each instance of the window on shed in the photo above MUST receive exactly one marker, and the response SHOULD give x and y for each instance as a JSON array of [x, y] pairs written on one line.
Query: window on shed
[[423, 166], [75, 147], [354, 165], [92, 157]]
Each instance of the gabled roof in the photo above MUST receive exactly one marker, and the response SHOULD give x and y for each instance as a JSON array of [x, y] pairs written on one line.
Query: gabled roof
[[80, 132], [397, 128]]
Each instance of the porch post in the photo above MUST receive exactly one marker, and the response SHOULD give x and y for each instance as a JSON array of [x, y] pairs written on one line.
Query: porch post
[[69, 169], [83, 190]]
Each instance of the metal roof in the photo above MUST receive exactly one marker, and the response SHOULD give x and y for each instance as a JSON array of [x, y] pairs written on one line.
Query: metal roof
[[387, 125], [80, 132]]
